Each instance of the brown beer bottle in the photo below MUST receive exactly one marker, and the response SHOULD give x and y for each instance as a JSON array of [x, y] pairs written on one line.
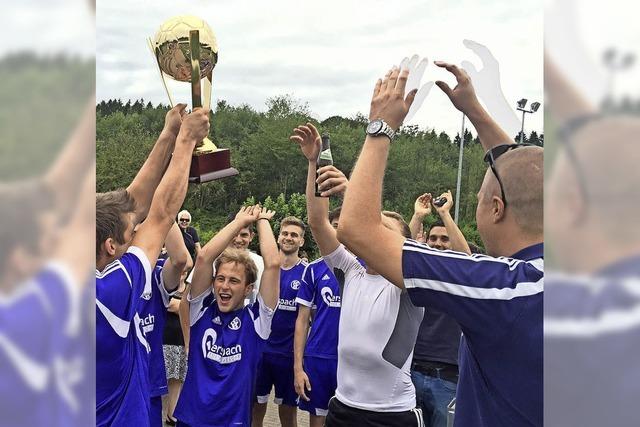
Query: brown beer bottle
[[324, 158]]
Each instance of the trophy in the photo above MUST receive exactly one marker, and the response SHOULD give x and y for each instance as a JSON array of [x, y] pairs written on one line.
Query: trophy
[[186, 50]]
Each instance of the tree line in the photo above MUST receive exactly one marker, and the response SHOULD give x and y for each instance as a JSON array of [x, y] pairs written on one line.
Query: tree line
[[272, 169]]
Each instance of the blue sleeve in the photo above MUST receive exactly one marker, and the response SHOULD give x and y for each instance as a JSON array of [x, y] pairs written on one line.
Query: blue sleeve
[[307, 290], [480, 292]]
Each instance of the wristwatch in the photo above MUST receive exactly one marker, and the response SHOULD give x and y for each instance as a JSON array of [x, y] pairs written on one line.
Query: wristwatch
[[378, 127]]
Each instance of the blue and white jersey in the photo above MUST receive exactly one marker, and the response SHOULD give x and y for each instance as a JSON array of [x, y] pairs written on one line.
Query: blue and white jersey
[[39, 320], [321, 291], [591, 343], [152, 317], [498, 304], [284, 321], [224, 350], [122, 369]]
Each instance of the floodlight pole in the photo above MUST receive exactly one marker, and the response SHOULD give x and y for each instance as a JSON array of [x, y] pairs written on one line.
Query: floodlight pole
[[522, 127], [457, 206]]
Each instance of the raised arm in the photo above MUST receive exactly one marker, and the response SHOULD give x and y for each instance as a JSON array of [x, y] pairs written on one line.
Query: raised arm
[[179, 259], [172, 189], [360, 218], [464, 98], [421, 209], [330, 179], [203, 271], [270, 281], [144, 184], [458, 242]]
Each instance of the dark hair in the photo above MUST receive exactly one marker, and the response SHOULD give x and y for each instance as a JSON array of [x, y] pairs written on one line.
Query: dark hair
[[406, 231], [438, 223], [335, 213], [292, 220], [111, 209]]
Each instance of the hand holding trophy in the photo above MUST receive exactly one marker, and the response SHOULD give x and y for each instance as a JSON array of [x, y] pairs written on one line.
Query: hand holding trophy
[[186, 50]]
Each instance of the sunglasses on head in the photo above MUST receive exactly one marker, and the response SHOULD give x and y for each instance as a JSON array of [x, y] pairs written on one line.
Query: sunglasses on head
[[494, 154]]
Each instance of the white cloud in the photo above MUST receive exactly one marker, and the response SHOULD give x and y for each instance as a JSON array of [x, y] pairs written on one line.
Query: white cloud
[[327, 53]]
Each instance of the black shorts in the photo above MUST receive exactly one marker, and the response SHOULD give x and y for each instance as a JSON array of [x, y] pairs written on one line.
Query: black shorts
[[341, 415]]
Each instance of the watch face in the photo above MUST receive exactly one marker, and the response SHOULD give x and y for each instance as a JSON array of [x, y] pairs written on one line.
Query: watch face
[[374, 127]]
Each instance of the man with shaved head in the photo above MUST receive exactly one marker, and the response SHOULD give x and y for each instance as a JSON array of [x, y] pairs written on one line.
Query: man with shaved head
[[496, 299]]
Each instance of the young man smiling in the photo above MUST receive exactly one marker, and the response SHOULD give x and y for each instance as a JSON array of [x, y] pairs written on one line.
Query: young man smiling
[[227, 338]]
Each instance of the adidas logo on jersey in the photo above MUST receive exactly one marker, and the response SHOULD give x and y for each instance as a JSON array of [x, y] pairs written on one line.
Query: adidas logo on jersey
[[217, 320], [217, 353], [326, 277], [287, 304], [328, 297]]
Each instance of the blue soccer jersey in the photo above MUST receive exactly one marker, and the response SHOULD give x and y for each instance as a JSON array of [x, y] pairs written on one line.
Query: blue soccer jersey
[[224, 351], [498, 304], [152, 317], [320, 290], [284, 321], [122, 371]]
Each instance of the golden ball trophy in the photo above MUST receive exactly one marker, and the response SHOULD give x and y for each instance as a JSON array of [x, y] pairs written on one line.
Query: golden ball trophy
[[186, 50]]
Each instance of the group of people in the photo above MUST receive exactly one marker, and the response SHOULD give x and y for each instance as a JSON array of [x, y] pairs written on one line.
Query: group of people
[[379, 331]]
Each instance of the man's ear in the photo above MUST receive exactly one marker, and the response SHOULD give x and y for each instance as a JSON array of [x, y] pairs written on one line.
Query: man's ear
[[109, 247], [248, 289], [497, 209]]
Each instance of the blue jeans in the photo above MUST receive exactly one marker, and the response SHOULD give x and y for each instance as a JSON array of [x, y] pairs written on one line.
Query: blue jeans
[[432, 396]]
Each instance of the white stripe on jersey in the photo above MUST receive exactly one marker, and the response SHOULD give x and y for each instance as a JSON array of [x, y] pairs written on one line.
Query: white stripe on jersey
[[115, 265], [24, 290], [33, 373], [608, 322], [522, 289], [119, 326]]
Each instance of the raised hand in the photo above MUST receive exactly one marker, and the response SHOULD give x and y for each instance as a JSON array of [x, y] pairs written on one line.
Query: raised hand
[[422, 205], [486, 82], [444, 209], [331, 180], [308, 138], [388, 102], [195, 125], [416, 69], [265, 213], [173, 119], [248, 215], [463, 96]]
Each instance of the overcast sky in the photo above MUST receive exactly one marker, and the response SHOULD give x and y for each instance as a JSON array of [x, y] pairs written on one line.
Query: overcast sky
[[327, 53]]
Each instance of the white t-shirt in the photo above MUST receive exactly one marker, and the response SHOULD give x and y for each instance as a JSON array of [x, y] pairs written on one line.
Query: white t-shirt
[[257, 259], [377, 333]]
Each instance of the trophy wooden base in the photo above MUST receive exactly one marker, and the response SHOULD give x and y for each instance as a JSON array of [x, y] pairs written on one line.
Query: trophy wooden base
[[210, 166]]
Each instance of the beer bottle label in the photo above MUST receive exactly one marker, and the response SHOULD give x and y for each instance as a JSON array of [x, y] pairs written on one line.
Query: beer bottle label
[[326, 156]]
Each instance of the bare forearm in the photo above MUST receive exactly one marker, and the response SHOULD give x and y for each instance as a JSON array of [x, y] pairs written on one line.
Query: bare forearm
[[489, 132], [300, 339], [270, 280], [183, 314], [179, 258], [414, 224], [143, 186], [458, 242]]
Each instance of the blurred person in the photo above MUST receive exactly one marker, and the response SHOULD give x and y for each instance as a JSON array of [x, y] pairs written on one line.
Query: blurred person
[[496, 299], [165, 279], [190, 235], [434, 369], [316, 353], [125, 252], [275, 370], [227, 337], [592, 298], [378, 323]]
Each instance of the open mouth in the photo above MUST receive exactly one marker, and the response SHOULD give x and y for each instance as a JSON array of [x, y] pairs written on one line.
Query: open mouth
[[224, 297]]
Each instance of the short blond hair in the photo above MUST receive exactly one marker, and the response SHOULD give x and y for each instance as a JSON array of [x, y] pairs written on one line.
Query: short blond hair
[[241, 257]]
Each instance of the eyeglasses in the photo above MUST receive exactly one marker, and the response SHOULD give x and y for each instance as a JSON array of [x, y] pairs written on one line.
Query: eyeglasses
[[493, 155], [184, 220]]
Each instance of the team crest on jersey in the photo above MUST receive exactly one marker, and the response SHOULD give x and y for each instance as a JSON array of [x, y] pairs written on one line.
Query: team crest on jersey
[[328, 297], [235, 324], [218, 353], [295, 285]]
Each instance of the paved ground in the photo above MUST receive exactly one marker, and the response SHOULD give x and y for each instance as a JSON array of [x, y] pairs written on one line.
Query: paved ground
[[272, 420]]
